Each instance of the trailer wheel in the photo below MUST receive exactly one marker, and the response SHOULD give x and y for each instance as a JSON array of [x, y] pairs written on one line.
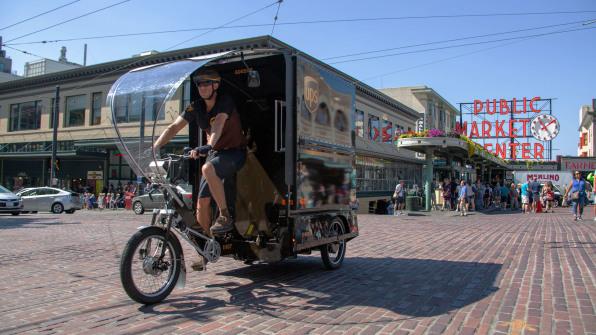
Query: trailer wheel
[[333, 254]]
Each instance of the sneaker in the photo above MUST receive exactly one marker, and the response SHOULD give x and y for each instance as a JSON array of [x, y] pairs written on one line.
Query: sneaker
[[575, 218], [461, 214], [223, 224], [580, 219]]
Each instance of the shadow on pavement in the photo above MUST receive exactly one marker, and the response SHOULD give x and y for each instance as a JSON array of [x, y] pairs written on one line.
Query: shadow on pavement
[[31, 221], [293, 289], [499, 212]]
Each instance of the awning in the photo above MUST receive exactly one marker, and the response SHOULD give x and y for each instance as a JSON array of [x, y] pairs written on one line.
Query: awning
[[450, 147]]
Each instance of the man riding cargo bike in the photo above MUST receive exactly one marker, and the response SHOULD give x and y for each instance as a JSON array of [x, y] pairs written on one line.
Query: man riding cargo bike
[[264, 191]]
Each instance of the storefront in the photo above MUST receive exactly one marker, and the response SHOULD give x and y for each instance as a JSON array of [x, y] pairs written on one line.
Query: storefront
[[30, 166], [463, 159]]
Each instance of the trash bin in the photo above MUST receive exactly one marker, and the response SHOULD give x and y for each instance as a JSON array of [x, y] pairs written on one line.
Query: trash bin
[[412, 203]]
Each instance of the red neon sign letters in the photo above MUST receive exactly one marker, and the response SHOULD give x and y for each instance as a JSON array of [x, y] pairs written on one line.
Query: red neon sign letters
[[520, 112]]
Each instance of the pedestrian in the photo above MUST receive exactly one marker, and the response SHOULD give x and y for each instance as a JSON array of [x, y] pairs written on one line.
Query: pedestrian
[[534, 188], [446, 194], [463, 198], [497, 196], [470, 193], [479, 194], [576, 193], [400, 198], [525, 198], [487, 195], [457, 195], [504, 196], [433, 200], [454, 184], [514, 196], [549, 197]]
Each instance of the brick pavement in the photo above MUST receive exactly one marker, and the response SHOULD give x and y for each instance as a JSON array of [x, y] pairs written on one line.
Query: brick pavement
[[482, 274]]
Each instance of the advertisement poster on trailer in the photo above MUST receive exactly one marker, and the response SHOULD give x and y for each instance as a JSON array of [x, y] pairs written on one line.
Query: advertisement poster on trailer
[[326, 104]]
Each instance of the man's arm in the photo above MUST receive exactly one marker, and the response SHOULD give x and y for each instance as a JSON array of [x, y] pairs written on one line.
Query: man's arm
[[170, 132], [217, 128]]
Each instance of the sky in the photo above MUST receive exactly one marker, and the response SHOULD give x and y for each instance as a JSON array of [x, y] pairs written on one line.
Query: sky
[[559, 66]]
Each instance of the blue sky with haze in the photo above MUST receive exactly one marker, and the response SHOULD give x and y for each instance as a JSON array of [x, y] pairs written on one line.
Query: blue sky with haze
[[559, 66]]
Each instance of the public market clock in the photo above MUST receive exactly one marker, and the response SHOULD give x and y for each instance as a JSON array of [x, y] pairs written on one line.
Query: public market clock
[[545, 127]]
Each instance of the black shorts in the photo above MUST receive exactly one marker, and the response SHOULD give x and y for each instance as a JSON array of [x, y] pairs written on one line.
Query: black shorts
[[399, 200], [226, 164]]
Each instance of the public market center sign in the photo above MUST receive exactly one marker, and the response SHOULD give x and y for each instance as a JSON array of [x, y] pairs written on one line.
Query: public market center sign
[[511, 129]]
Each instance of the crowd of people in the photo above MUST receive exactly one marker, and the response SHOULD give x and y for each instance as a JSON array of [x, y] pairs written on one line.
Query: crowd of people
[[111, 197], [530, 197], [463, 196]]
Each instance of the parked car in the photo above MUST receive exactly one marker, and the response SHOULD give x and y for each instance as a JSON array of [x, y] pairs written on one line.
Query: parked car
[[142, 203], [10, 202], [49, 199]]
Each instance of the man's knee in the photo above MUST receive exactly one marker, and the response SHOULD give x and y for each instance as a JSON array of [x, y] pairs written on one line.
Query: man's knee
[[208, 169]]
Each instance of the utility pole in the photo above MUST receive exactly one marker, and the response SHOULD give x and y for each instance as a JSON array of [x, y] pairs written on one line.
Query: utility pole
[[53, 178]]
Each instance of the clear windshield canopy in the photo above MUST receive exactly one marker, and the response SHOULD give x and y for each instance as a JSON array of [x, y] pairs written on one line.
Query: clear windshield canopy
[[140, 108]]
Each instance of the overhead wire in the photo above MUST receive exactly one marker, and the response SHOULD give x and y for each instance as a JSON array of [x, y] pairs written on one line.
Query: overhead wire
[[40, 14], [442, 60], [275, 19], [451, 57], [297, 23], [454, 40], [223, 25], [69, 20], [458, 45]]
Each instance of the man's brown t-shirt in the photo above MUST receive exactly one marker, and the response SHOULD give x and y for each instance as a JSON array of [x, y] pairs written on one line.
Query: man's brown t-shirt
[[231, 136]]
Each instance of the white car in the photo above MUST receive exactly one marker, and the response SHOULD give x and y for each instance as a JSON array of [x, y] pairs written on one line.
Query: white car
[[10, 202], [49, 199]]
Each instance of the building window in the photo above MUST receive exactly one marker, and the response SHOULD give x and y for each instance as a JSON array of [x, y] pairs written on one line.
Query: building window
[[75, 111], [376, 174], [151, 105], [387, 132], [431, 115], [374, 133], [129, 108], [96, 108], [121, 108], [25, 116], [442, 119], [359, 123]]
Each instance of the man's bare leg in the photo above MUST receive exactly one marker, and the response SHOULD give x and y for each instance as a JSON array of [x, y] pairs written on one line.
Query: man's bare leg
[[215, 186], [204, 214]]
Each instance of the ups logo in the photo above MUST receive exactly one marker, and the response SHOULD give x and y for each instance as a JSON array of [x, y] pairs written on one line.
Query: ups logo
[[311, 93]]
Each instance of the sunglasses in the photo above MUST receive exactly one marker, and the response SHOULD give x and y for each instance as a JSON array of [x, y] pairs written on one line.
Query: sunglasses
[[204, 83]]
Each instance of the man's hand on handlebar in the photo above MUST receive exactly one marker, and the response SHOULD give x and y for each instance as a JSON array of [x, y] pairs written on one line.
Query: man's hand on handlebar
[[200, 151]]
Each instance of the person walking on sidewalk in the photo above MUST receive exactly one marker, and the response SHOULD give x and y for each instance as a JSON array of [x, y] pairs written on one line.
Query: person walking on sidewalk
[[400, 198], [463, 198], [534, 188], [446, 189], [514, 197], [576, 193]]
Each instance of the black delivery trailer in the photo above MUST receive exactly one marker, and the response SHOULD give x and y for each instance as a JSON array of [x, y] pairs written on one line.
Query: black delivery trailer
[[296, 191]]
